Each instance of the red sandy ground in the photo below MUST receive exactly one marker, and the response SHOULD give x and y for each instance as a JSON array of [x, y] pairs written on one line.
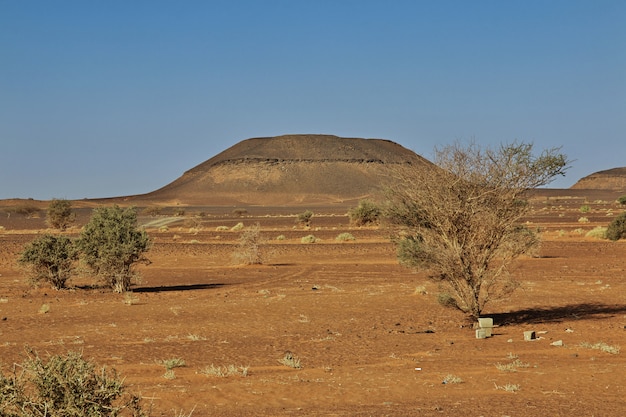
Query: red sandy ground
[[369, 343]]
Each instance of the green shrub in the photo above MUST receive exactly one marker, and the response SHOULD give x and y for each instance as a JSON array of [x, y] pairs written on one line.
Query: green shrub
[[65, 386], [59, 214], [343, 237], [585, 209], [51, 259], [617, 228], [622, 199], [111, 245], [308, 239], [365, 213]]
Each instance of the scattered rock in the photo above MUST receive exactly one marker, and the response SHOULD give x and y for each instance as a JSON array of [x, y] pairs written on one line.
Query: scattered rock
[[557, 343]]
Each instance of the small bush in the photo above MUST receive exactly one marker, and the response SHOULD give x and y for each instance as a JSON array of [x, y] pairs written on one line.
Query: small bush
[[222, 228], [305, 218], [237, 227], [59, 214], [172, 363], [583, 220], [225, 371], [617, 228], [585, 209], [280, 237], [598, 232], [622, 200], [308, 239], [290, 360], [343, 237], [51, 259], [452, 379], [365, 213], [111, 245], [248, 250], [65, 386]]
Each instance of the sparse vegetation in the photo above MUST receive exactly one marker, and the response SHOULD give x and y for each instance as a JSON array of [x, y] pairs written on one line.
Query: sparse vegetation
[[585, 208], [512, 366], [308, 239], [452, 379], [617, 228], [597, 232], [239, 212], [27, 210], [304, 219], [239, 226], [65, 386], [152, 211], [601, 346], [248, 251], [622, 200], [508, 387], [461, 219], [225, 371], [290, 360], [111, 245], [51, 259], [60, 215], [343, 237], [365, 213]]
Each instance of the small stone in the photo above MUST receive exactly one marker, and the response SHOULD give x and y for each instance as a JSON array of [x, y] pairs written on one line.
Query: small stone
[[557, 343]]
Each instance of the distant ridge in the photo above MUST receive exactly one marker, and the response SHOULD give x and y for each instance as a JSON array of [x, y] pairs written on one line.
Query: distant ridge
[[610, 179], [290, 169]]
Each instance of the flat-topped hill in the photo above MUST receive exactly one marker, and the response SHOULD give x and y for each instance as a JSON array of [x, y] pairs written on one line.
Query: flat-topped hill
[[290, 169], [610, 179]]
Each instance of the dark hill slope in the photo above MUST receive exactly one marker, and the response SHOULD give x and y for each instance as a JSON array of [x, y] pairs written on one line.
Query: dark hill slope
[[611, 179], [290, 169]]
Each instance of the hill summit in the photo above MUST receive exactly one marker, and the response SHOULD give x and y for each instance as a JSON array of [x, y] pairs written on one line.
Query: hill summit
[[290, 169], [610, 179]]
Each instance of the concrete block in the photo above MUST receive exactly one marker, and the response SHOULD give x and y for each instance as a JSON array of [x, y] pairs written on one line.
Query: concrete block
[[530, 335], [481, 334]]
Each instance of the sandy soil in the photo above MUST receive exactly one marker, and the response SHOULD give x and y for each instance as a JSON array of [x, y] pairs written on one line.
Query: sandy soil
[[371, 338]]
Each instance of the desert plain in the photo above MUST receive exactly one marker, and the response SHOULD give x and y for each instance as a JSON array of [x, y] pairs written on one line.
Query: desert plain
[[368, 334]]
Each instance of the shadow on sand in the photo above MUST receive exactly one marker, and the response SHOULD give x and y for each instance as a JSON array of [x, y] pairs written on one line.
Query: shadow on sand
[[585, 311], [167, 288]]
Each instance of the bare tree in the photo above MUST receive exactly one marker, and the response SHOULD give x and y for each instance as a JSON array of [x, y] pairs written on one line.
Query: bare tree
[[460, 219]]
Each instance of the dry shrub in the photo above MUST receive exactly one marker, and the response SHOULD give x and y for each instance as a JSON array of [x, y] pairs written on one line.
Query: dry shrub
[[248, 251]]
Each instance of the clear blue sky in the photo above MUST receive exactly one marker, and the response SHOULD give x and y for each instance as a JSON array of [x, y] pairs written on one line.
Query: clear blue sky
[[111, 98]]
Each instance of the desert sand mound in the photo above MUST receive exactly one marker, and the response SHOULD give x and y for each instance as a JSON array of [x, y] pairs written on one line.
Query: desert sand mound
[[611, 179], [290, 169]]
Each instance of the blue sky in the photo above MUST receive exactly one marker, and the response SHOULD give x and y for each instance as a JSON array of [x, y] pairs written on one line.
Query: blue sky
[[111, 98]]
